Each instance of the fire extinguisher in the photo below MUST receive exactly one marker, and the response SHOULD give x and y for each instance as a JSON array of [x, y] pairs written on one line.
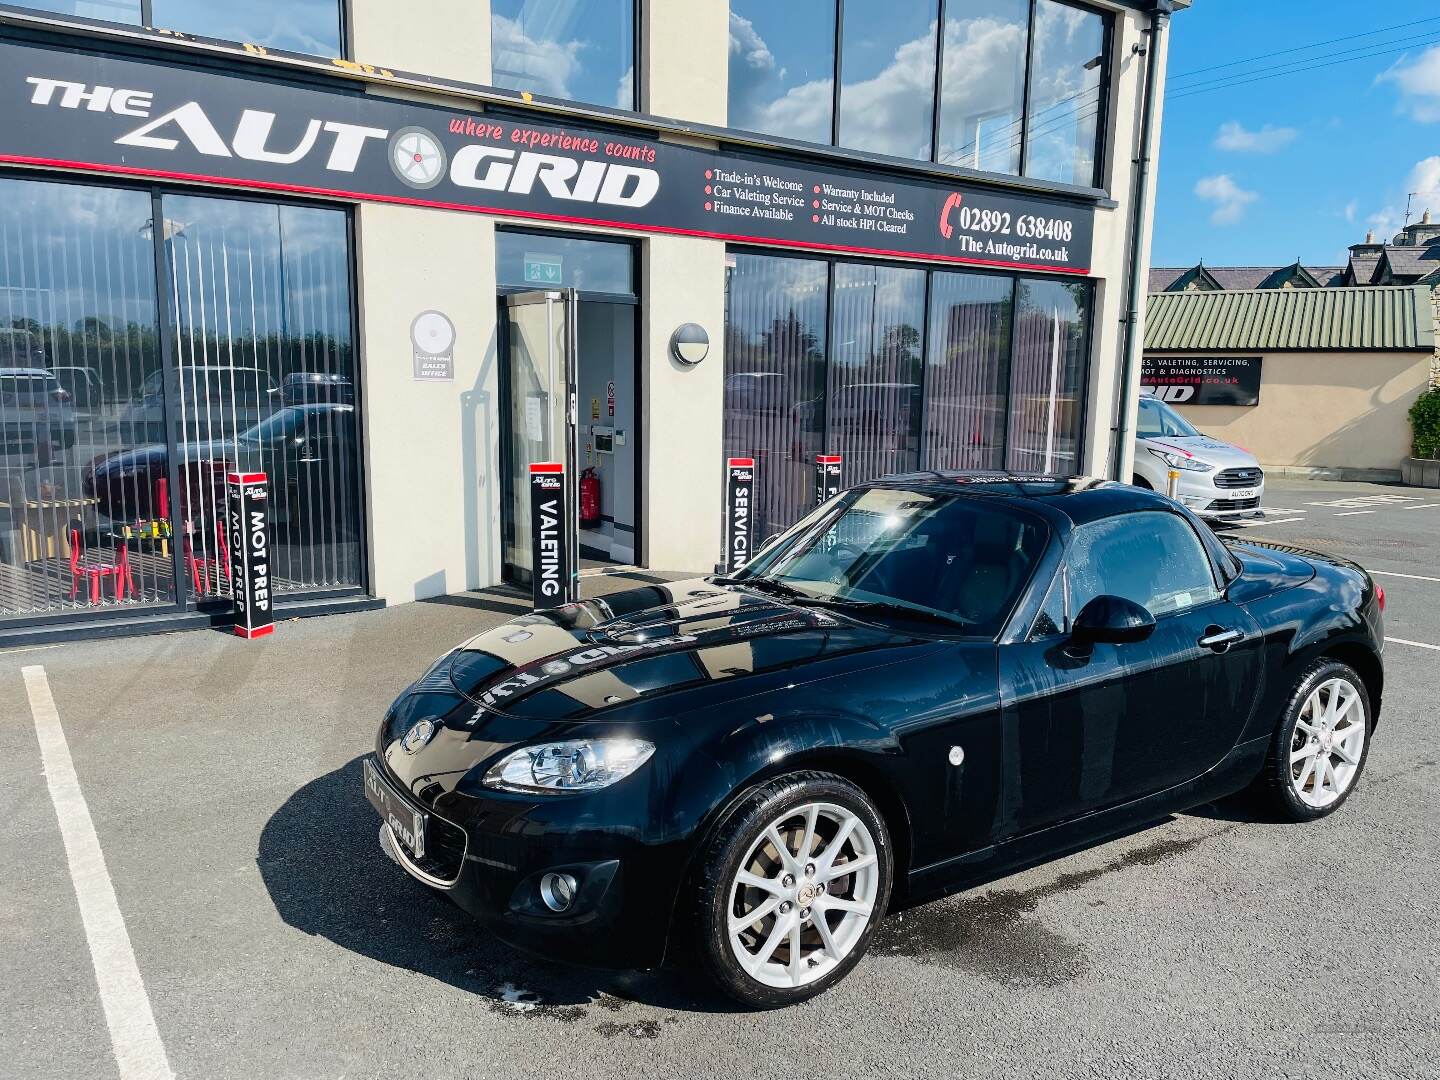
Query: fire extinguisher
[[589, 499]]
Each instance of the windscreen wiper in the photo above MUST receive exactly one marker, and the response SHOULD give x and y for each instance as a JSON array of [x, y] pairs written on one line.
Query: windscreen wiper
[[761, 584], [953, 622]]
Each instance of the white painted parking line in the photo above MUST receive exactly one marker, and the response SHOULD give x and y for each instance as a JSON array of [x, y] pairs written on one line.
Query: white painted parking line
[[133, 1035], [1412, 577], [1259, 524], [1414, 644], [1284, 510], [1422, 506], [1352, 513]]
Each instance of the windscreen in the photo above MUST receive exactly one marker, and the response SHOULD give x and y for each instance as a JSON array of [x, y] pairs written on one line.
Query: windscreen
[[957, 556], [1158, 420]]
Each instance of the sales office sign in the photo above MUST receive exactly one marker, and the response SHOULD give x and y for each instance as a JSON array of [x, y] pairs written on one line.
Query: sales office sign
[[71, 110]]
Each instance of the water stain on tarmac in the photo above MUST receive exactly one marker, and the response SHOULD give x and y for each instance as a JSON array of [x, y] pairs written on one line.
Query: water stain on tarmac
[[993, 934]]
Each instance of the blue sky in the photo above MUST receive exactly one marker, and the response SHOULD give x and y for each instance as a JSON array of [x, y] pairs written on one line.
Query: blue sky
[[1302, 165]]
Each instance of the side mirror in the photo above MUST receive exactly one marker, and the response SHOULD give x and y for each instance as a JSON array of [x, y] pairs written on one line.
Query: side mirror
[[1112, 620]]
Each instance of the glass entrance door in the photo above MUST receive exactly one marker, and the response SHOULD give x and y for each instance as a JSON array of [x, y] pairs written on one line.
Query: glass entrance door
[[540, 409]]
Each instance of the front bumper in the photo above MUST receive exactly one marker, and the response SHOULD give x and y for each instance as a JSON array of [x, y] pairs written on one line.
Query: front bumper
[[1200, 493], [488, 854]]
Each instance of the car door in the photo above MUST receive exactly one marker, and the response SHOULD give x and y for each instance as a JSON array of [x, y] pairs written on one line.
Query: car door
[[1090, 728]]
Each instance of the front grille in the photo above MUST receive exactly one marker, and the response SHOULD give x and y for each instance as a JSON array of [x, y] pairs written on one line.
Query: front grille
[[1235, 504], [444, 850], [1239, 478]]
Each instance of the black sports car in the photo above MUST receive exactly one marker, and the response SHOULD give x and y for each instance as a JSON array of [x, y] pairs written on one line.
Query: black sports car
[[929, 680]]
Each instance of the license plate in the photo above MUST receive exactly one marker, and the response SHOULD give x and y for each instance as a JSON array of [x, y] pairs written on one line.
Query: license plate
[[407, 823], [1241, 493]]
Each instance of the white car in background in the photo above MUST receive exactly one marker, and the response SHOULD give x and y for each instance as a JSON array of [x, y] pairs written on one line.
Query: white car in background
[[1216, 480]]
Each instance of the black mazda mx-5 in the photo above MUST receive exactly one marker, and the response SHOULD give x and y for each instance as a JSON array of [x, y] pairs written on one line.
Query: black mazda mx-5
[[927, 681]]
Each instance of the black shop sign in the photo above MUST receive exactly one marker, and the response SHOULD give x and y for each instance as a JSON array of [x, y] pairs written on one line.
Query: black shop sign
[[1202, 380], [739, 512], [65, 109]]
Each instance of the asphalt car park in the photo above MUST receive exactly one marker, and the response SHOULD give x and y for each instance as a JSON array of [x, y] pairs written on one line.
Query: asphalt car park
[[272, 937]]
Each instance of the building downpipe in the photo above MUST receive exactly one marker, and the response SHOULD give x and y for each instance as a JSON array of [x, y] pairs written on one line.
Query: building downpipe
[[1131, 353]]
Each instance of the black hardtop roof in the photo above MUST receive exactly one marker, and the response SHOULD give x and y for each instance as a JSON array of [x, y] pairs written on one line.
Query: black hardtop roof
[[1080, 499]]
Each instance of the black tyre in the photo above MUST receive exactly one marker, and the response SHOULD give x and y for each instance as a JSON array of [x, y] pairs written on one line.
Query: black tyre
[[1320, 744], [790, 888], [1139, 481]]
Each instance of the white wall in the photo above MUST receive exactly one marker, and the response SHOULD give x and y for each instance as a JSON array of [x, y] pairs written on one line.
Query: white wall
[[448, 39], [431, 448]]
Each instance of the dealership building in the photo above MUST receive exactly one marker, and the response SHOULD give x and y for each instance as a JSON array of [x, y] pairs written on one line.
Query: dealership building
[[393, 256]]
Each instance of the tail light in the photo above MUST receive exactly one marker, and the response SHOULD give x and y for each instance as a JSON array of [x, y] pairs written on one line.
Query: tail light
[[1380, 596]]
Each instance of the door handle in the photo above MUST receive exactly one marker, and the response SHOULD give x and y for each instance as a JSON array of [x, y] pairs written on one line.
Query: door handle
[[1219, 638]]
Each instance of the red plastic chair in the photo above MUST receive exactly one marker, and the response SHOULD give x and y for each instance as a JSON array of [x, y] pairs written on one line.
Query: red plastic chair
[[201, 564], [95, 568]]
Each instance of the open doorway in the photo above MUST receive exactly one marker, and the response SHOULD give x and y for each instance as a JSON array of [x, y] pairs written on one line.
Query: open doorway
[[570, 390]]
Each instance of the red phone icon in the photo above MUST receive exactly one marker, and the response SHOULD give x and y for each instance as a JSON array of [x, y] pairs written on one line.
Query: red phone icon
[[946, 229]]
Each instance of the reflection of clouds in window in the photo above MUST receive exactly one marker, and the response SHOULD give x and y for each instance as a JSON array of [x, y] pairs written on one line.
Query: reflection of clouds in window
[[764, 94], [1065, 95], [581, 51], [887, 89], [522, 63], [308, 26], [983, 87]]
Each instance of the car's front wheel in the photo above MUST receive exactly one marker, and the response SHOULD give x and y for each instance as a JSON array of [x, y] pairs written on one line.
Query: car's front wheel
[[1320, 744], [791, 888]]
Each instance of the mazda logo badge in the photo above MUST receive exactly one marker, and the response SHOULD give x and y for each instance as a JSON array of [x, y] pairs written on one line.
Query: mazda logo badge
[[417, 736]]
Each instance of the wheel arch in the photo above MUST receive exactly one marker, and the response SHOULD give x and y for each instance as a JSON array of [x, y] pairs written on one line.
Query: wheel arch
[[1366, 664]]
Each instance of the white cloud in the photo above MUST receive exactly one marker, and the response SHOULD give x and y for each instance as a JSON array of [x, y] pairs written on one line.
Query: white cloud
[[1418, 80], [1234, 136], [545, 67], [1421, 189], [1230, 198], [1351, 208]]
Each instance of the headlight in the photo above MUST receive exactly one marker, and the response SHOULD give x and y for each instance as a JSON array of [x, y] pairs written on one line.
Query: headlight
[[1176, 461], [577, 765]]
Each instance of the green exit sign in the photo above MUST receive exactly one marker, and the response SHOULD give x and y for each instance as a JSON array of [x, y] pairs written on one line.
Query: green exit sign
[[543, 269]]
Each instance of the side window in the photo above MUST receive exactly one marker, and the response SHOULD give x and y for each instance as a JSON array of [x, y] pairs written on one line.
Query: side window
[[1051, 619], [1153, 558]]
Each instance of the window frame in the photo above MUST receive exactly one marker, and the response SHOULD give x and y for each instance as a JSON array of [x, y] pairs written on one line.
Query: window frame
[[1102, 148]]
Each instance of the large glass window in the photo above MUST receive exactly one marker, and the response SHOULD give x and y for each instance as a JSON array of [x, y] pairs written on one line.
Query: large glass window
[[533, 260], [581, 50], [1066, 93], [304, 26], [877, 318], [112, 468], [982, 84], [78, 336], [886, 95], [843, 357], [887, 76], [968, 370], [775, 347], [782, 68], [1047, 375], [265, 358]]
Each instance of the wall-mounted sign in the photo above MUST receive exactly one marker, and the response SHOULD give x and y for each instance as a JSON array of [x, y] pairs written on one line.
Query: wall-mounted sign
[[247, 524], [739, 519], [549, 552], [689, 344], [610, 398], [1202, 380], [827, 476], [66, 109], [432, 336]]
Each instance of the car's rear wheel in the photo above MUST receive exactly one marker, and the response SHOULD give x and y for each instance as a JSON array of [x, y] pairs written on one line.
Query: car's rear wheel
[[1320, 744], [791, 887]]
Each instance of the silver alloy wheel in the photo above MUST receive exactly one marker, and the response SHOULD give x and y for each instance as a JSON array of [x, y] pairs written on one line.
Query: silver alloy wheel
[[1328, 743], [804, 894]]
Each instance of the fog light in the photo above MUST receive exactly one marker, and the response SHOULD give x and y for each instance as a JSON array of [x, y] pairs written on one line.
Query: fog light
[[558, 891]]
